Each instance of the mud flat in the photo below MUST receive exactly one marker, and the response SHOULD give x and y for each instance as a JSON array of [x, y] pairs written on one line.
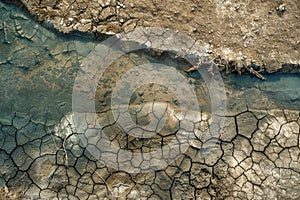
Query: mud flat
[[44, 154], [236, 34]]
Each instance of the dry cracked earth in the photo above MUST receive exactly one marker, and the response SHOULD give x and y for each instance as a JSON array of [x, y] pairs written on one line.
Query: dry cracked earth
[[255, 157], [251, 152]]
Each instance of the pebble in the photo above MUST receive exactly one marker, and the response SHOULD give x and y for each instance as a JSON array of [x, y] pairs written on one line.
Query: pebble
[[76, 26], [176, 102], [84, 21], [209, 51], [141, 93], [148, 44], [281, 8], [120, 5]]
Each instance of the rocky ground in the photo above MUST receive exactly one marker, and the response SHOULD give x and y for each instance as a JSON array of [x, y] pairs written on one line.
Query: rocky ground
[[235, 33]]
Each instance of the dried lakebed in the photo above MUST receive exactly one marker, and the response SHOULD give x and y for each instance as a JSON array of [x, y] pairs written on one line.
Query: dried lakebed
[[45, 156]]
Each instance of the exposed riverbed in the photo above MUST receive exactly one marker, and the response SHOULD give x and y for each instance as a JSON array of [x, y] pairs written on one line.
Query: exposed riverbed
[[256, 150]]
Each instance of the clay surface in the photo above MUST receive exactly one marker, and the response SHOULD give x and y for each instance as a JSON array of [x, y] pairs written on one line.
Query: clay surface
[[236, 33]]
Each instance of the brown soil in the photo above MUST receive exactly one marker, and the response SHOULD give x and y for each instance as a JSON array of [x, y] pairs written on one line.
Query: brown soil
[[264, 32]]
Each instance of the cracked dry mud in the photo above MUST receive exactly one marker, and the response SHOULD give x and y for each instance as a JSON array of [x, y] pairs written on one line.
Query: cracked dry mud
[[256, 155]]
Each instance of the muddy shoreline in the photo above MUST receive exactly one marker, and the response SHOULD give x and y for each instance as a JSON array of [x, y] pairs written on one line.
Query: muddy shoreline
[[236, 35]]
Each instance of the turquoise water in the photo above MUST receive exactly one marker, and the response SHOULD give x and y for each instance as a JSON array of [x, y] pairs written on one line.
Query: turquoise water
[[38, 68], [278, 91]]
